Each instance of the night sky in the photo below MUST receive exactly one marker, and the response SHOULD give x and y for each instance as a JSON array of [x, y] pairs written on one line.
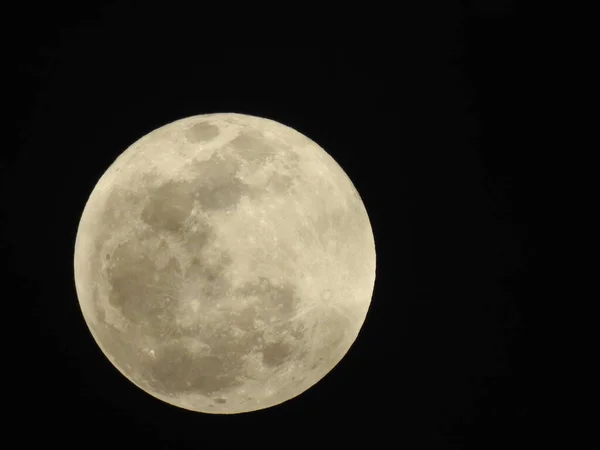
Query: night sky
[[425, 119]]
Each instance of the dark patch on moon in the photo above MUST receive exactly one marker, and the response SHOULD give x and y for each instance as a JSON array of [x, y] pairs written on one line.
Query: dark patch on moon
[[177, 370], [138, 290], [168, 207], [222, 195], [276, 354], [279, 183], [216, 185], [202, 132], [256, 147], [220, 400], [118, 200], [253, 146]]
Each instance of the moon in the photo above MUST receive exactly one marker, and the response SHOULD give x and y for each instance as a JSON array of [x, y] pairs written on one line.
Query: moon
[[224, 263]]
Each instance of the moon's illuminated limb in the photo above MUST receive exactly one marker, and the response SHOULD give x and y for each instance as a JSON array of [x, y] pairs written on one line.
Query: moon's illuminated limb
[[224, 263]]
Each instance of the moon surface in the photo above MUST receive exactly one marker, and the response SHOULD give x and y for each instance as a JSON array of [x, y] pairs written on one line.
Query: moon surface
[[224, 263]]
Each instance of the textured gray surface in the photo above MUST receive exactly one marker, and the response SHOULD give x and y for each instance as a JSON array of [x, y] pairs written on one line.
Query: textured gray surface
[[224, 263]]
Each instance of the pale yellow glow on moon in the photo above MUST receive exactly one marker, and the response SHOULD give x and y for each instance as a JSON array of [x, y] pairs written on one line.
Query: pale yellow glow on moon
[[224, 263]]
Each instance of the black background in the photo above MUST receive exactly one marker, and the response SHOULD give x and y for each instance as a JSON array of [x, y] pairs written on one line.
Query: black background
[[426, 119]]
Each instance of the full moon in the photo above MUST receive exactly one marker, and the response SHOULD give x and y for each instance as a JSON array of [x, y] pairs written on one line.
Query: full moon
[[224, 263]]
